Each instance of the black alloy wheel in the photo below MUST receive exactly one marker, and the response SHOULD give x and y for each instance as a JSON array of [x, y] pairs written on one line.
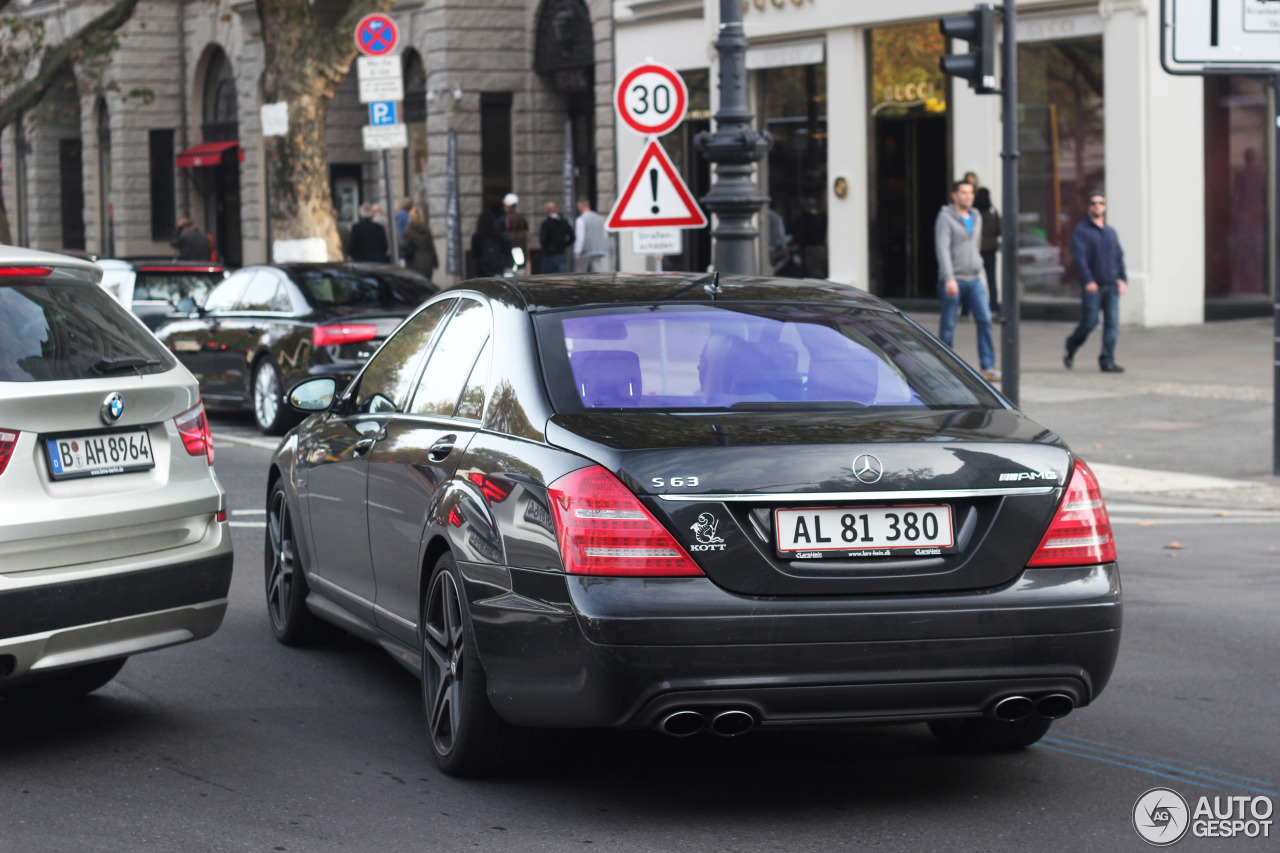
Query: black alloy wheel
[[65, 684], [291, 621], [980, 734], [467, 736]]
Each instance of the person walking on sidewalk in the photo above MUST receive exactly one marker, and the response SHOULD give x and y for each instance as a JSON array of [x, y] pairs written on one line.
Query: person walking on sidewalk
[[1098, 256], [590, 245], [957, 236]]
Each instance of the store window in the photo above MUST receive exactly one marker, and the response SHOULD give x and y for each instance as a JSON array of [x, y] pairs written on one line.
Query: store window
[[1060, 137], [795, 113], [909, 158], [1236, 181]]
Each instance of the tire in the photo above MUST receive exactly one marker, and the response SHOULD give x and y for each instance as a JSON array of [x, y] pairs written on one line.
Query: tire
[[269, 410], [467, 736], [980, 734], [66, 684], [286, 583]]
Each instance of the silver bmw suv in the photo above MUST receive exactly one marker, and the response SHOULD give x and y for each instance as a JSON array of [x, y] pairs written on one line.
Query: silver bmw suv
[[113, 527]]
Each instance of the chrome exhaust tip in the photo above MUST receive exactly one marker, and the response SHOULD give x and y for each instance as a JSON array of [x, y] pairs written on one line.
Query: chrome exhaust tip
[[732, 723], [1013, 708], [682, 723], [1055, 706]]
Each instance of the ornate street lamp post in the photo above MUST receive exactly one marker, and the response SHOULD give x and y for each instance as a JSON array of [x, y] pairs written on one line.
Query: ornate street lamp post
[[734, 147]]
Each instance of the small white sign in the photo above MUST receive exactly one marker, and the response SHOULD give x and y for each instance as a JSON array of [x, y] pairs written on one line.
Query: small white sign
[[1261, 17], [378, 67], [385, 136], [657, 241], [381, 89], [275, 119]]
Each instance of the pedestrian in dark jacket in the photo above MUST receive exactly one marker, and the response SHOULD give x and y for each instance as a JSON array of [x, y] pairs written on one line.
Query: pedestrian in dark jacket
[[990, 245], [488, 247], [368, 238], [192, 243], [418, 247], [1103, 280], [556, 237]]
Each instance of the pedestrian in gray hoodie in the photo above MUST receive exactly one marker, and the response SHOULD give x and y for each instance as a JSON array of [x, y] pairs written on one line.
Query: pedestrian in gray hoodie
[[957, 237]]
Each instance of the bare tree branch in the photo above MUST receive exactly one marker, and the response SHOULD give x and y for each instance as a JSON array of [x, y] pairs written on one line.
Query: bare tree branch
[[57, 59]]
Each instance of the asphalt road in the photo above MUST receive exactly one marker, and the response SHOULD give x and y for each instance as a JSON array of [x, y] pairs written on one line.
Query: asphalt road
[[238, 743]]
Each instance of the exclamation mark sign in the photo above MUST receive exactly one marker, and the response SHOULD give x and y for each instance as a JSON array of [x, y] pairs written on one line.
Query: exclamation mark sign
[[653, 188]]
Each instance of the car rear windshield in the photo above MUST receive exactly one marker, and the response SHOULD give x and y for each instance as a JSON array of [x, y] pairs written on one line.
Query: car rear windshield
[[747, 356], [174, 285], [52, 331], [362, 289]]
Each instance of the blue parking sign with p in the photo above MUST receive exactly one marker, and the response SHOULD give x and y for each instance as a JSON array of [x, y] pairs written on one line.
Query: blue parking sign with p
[[382, 113]]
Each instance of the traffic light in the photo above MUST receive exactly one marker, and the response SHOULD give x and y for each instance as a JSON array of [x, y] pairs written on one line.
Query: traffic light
[[978, 66]]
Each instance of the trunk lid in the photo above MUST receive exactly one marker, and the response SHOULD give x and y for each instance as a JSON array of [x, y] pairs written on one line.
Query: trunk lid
[[726, 483]]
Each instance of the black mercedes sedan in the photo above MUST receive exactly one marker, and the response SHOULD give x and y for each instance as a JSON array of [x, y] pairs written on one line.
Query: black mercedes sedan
[[693, 504], [266, 327]]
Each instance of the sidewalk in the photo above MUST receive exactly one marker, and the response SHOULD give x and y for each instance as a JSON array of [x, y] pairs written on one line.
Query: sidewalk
[[1188, 423]]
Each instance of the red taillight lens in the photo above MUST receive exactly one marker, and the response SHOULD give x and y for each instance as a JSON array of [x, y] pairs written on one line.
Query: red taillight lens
[[604, 530], [193, 426], [1080, 533], [13, 272], [8, 441], [342, 333]]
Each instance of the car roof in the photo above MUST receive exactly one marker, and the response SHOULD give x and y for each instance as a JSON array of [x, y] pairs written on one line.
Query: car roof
[[555, 292], [12, 256]]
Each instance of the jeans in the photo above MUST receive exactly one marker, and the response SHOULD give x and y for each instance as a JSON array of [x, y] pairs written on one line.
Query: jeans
[[1106, 299], [555, 263], [591, 263], [974, 295]]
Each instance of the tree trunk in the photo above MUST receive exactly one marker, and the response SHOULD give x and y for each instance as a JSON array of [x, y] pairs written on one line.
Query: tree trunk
[[304, 68]]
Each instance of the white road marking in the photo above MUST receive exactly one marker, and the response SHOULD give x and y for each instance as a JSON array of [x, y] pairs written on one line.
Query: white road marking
[[267, 443]]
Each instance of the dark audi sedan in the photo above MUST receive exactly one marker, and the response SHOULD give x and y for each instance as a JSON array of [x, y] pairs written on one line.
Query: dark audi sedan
[[674, 502], [267, 327]]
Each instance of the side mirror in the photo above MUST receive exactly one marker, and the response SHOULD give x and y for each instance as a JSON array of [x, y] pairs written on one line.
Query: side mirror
[[313, 395]]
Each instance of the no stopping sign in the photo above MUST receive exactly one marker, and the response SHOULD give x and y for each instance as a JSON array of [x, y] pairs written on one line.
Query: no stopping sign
[[651, 99]]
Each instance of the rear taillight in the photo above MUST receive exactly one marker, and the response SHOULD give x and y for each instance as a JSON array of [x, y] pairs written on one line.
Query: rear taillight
[[1080, 533], [193, 426], [604, 530], [13, 272], [8, 441], [342, 333]]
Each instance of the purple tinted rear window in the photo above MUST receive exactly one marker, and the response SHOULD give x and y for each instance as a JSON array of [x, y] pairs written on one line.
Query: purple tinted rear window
[[744, 356]]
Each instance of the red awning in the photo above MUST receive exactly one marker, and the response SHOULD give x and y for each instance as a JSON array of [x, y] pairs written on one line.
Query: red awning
[[204, 154]]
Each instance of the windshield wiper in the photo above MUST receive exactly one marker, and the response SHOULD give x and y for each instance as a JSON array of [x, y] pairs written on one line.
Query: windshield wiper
[[122, 362]]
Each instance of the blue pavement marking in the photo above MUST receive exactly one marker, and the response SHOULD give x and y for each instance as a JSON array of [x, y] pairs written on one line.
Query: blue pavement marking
[[1110, 755]]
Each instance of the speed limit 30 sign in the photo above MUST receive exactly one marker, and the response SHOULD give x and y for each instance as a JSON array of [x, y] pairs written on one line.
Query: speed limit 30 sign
[[651, 99]]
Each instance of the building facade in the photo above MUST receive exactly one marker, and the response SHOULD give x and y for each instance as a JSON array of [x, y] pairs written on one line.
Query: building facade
[[868, 135], [178, 132]]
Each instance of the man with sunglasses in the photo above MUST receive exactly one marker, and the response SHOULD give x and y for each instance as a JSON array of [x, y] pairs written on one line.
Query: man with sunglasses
[[1098, 256]]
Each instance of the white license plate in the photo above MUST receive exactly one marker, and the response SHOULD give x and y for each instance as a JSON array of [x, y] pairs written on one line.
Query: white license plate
[[864, 531], [100, 454]]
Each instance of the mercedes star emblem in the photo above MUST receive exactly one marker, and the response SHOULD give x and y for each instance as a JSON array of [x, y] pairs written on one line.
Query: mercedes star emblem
[[867, 469], [112, 408]]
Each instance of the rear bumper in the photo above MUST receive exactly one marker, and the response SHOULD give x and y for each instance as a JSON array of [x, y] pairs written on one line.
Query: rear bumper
[[60, 618], [626, 652]]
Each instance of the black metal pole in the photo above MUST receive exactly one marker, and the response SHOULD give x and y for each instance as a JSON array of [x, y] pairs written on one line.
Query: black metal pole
[[734, 147], [1275, 266], [1010, 358]]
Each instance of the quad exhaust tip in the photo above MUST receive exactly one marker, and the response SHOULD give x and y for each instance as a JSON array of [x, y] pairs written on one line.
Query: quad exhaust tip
[[1055, 706], [1051, 706], [1013, 708], [726, 723]]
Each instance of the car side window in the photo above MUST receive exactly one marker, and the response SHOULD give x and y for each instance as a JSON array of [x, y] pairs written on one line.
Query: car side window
[[225, 295], [385, 383], [452, 360], [260, 294], [471, 404]]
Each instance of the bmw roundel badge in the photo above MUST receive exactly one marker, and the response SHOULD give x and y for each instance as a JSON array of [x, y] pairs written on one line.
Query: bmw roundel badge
[[112, 408]]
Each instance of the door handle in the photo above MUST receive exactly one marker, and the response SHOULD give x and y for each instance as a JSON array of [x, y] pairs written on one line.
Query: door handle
[[439, 451], [363, 446]]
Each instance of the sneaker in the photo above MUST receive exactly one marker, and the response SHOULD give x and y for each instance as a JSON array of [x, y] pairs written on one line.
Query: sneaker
[[1111, 368], [1068, 359], [991, 374]]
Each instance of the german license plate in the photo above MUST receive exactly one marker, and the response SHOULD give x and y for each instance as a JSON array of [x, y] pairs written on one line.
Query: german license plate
[[99, 454], [865, 531]]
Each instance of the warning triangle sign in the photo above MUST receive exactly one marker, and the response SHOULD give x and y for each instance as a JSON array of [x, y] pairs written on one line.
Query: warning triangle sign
[[656, 196]]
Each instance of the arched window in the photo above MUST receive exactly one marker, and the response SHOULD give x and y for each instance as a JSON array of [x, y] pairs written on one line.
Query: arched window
[[221, 115]]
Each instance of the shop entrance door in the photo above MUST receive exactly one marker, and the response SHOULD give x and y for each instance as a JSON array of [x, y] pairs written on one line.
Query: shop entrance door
[[910, 184]]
